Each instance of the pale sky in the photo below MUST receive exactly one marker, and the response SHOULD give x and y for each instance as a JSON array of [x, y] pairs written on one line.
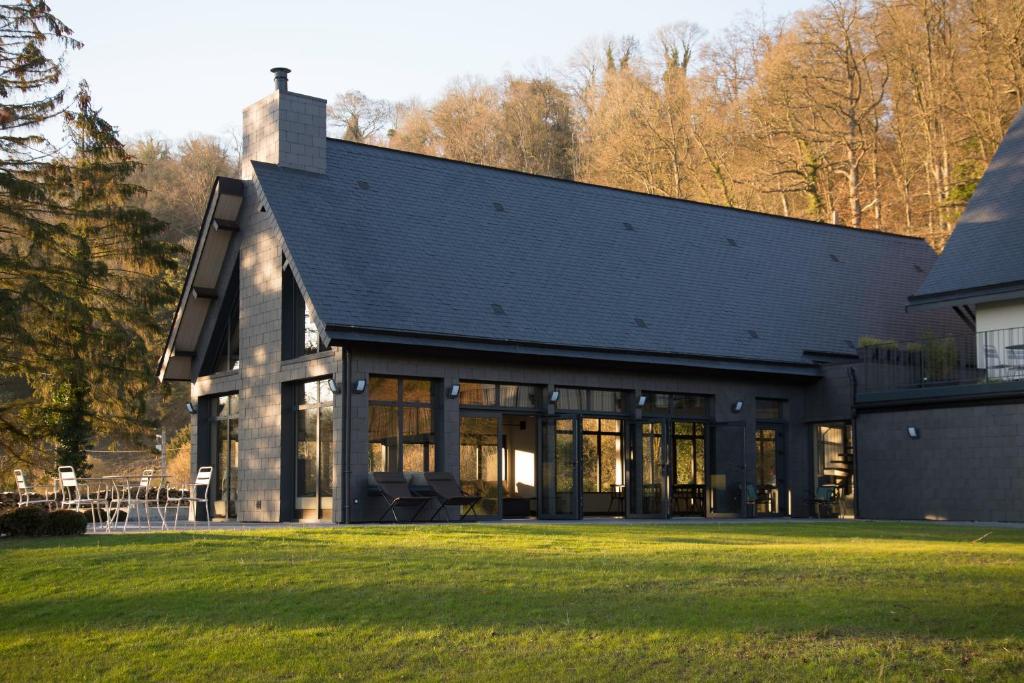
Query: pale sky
[[184, 66]]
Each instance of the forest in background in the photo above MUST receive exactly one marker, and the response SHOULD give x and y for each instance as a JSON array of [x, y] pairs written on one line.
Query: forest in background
[[875, 115], [879, 115]]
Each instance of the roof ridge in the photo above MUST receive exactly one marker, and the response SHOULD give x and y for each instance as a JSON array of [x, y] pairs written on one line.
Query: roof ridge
[[818, 224]]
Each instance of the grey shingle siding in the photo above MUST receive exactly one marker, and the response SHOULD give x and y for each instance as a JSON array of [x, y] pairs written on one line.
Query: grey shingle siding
[[987, 246], [387, 240]]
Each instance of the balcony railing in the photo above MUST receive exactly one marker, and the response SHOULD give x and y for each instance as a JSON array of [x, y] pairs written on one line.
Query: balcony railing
[[985, 357]]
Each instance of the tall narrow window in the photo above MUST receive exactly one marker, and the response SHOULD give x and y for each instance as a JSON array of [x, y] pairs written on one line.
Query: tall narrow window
[[314, 444], [602, 455], [226, 448], [299, 335], [401, 424]]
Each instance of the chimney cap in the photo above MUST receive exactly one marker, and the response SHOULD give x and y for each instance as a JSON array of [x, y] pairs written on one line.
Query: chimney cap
[[281, 77]]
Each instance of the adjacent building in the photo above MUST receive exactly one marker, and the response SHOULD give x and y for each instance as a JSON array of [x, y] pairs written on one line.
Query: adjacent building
[[563, 349]]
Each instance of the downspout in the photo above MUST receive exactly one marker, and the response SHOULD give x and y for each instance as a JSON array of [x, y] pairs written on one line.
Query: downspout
[[346, 463]]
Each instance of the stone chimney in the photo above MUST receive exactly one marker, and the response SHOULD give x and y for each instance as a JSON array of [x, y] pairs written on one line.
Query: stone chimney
[[285, 128]]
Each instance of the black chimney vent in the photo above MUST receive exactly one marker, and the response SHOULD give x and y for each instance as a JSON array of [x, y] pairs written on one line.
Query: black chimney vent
[[281, 78]]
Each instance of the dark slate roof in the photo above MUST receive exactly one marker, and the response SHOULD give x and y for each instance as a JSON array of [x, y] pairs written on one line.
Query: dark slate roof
[[986, 249], [392, 241]]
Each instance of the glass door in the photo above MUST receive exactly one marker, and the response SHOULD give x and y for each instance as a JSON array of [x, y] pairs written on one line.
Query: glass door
[[559, 471], [480, 459], [649, 482], [772, 498]]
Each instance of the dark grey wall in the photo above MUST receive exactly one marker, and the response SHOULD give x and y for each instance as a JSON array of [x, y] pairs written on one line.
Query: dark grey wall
[[967, 465], [726, 388]]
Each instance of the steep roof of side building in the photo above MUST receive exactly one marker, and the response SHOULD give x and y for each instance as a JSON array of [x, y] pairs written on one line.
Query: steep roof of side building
[[392, 242], [985, 254]]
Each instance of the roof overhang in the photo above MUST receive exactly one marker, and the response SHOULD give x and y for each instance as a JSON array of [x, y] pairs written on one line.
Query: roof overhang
[[1003, 291], [220, 223], [340, 335]]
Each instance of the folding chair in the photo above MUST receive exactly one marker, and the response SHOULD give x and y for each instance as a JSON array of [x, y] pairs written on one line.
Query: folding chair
[[448, 492], [395, 490]]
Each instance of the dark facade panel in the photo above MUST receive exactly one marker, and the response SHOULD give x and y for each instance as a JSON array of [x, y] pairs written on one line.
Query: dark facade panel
[[967, 464]]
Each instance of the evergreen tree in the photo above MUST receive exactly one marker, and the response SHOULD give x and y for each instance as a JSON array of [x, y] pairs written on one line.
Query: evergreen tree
[[83, 286]]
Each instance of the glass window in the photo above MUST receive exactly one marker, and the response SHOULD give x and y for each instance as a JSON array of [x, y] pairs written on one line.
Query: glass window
[[490, 395], [602, 455], [226, 453], [310, 335], [401, 432], [589, 400], [770, 409], [227, 357], [678, 405], [314, 440], [478, 394], [689, 442]]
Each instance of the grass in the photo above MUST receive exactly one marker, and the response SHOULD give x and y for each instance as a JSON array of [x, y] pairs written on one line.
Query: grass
[[519, 603]]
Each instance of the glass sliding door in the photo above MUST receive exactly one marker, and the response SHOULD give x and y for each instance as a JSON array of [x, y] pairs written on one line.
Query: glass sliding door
[[479, 461], [559, 471], [648, 487]]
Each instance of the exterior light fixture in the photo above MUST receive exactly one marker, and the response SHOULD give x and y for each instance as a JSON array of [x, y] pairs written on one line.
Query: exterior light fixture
[[642, 401], [359, 386], [191, 408], [913, 432], [333, 386], [553, 398], [453, 390], [737, 406]]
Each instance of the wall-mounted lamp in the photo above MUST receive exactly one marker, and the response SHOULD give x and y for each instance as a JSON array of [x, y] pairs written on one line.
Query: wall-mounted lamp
[[453, 390], [737, 406], [642, 401], [333, 386], [359, 386], [553, 398], [191, 408], [913, 432]]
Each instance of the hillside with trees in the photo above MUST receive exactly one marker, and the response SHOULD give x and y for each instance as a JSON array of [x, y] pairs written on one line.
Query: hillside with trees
[[877, 115]]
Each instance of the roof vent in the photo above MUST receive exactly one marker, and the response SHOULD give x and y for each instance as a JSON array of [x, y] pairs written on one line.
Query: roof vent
[[628, 226], [753, 334], [640, 322], [918, 268], [499, 207], [281, 78], [497, 309], [363, 185], [834, 258], [731, 241]]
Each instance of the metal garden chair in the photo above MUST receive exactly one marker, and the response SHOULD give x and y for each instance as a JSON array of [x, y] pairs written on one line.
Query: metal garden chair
[[197, 493], [72, 497], [27, 495]]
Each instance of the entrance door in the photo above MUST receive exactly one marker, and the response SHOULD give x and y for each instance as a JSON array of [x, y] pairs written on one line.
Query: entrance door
[[559, 472], [688, 451], [727, 473], [770, 471], [649, 480], [480, 461]]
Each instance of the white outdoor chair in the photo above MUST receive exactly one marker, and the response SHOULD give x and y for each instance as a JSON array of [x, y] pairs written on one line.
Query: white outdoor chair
[[139, 500], [198, 493], [26, 494], [71, 494]]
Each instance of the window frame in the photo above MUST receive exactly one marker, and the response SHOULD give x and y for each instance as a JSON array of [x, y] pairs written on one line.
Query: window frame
[[431, 458]]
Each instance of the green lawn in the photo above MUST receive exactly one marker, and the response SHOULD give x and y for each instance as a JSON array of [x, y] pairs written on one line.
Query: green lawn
[[519, 603]]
